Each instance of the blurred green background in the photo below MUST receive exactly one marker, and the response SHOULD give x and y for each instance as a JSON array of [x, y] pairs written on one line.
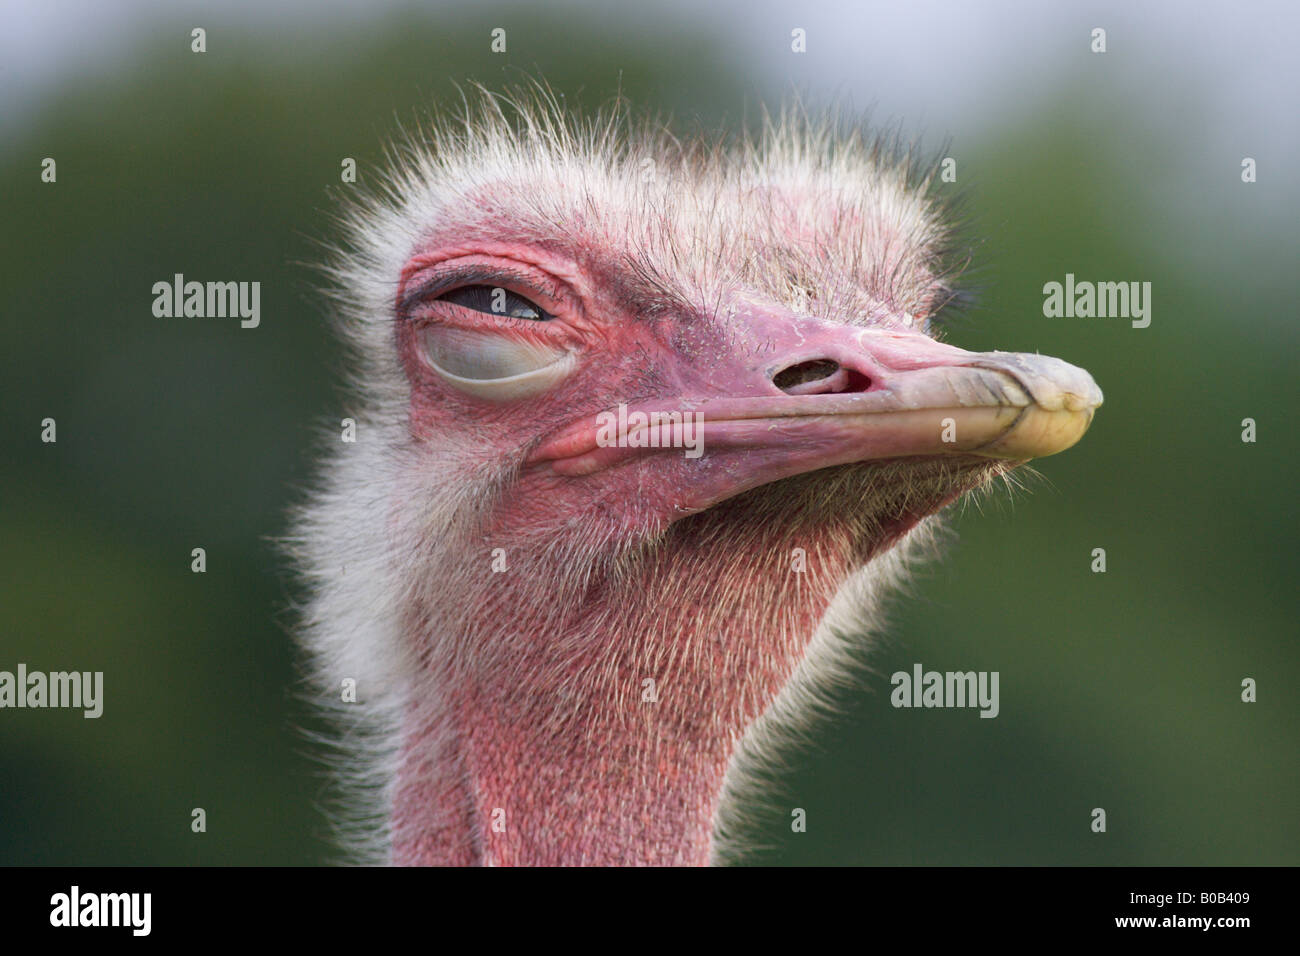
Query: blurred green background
[[1118, 690]]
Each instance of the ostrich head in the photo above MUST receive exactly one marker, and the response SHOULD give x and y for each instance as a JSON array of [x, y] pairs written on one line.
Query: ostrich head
[[643, 430]]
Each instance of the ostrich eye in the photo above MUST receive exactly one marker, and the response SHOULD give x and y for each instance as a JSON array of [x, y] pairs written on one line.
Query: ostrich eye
[[493, 366], [495, 300]]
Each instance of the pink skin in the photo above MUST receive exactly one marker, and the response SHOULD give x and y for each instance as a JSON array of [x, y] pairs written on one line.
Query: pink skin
[[643, 785]]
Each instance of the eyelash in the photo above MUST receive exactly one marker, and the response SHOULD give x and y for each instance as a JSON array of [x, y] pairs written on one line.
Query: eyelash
[[492, 300], [438, 286]]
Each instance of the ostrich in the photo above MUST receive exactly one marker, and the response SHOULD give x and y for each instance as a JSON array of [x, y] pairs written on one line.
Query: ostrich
[[574, 644]]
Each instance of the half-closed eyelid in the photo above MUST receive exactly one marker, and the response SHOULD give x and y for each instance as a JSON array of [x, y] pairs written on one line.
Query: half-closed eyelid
[[497, 301], [442, 282]]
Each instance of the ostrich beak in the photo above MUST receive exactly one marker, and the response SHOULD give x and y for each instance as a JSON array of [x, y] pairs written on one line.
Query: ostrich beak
[[793, 395]]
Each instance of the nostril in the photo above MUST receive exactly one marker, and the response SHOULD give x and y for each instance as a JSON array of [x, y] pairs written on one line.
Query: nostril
[[819, 376], [804, 373]]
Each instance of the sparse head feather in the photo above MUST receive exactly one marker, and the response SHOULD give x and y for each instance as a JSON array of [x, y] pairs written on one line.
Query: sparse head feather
[[812, 210]]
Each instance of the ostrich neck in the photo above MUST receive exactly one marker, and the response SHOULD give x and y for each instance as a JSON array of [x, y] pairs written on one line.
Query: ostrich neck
[[597, 724], [605, 735]]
